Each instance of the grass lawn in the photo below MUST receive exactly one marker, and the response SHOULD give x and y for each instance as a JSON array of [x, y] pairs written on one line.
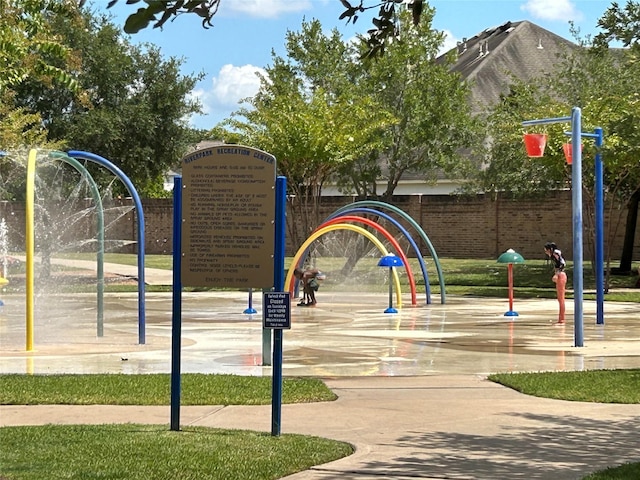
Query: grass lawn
[[477, 277], [155, 389], [132, 452], [144, 452], [602, 386]]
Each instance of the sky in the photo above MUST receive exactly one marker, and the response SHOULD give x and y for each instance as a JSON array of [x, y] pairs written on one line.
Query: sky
[[246, 32]]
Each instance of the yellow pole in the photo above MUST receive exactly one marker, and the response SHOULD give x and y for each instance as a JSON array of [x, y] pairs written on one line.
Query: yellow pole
[[30, 243]]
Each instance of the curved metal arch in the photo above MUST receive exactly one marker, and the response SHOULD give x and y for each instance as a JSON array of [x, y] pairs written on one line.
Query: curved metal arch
[[342, 226], [414, 224], [390, 238], [92, 157], [404, 231], [95, 192], [384, 232]]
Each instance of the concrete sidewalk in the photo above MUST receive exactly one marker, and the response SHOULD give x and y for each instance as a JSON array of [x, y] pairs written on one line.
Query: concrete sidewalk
[[413, 394], [445, 426], [152, 276]]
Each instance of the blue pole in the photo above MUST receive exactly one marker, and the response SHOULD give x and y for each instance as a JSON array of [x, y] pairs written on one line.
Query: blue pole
[[176, 323], [599, 228], [250, 310], [92, 157], [390, 309], [278, 284], [576, 190]]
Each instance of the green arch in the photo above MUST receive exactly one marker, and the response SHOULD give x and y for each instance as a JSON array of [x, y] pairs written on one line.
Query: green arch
[[95, 193]]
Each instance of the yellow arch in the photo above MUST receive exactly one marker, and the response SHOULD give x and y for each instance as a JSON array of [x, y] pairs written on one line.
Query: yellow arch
[[30, 243], [343, 226]]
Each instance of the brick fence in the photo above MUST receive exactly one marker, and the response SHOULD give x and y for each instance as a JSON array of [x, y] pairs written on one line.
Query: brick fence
[[458, 227]]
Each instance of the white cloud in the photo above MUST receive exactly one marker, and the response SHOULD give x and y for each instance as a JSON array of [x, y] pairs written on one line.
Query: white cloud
[[231, 85], [561, 10], [234, 83], [266, 8], [450, 42]]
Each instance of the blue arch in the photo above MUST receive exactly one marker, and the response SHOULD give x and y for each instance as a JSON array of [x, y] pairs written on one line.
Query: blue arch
[[92, 157], [404, 232], [414, 224]]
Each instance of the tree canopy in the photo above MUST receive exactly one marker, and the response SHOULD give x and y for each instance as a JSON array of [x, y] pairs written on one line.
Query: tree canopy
[[328, 116], [311, 115], [127, 103], [434, 132], [620, 24], [30, 50]]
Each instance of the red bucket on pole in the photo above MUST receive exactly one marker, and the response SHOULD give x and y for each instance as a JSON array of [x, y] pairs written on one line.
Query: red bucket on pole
[[534, 144], [568, 152]]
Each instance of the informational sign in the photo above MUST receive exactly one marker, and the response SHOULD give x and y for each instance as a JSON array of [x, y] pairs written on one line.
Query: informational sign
[[228, 208], [276, 310]]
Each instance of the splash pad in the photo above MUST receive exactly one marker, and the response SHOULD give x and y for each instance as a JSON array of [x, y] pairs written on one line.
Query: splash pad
[[56, 213]]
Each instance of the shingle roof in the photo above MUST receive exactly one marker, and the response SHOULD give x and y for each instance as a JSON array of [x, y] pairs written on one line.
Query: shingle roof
[[491, 58]]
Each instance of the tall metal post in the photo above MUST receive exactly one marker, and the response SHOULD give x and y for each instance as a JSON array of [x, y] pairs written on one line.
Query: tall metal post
[[599, 187], [576, 191], [576, 201], [176, 321], [278, 285]]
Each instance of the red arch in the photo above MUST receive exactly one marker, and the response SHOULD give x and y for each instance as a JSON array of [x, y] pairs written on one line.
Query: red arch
[[387, 235]]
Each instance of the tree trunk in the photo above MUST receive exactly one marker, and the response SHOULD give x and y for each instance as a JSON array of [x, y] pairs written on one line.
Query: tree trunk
[[629, 235]]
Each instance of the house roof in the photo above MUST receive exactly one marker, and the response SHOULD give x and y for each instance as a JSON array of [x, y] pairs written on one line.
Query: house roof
[[491, 58], [495, 56]]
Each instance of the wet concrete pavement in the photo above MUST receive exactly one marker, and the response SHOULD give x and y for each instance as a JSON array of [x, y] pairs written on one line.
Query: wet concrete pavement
[[345, 335]]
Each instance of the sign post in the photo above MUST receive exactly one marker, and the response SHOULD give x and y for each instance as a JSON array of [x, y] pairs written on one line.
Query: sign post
[[224, 231], [278, 313]]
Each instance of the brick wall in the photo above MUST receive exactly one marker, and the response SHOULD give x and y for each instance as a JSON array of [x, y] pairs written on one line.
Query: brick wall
[[479, 227], [462, 227]]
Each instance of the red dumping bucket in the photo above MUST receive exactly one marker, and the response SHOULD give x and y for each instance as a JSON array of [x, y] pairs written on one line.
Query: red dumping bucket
[[568, 152], [535, 143]]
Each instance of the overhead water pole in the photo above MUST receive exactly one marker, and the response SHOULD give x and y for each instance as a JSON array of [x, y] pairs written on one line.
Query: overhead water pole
[[576, 195], [599, 188]]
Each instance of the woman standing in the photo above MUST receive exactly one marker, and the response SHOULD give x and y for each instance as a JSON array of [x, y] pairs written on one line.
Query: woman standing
[[559, 275]]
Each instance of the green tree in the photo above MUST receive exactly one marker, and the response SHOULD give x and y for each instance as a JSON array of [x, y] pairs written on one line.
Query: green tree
[[433, 131], [623, 24], [620, 24], [328, 116], [603, 83], [28, 46], [134, 106], [309, 114], [29, 49]]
